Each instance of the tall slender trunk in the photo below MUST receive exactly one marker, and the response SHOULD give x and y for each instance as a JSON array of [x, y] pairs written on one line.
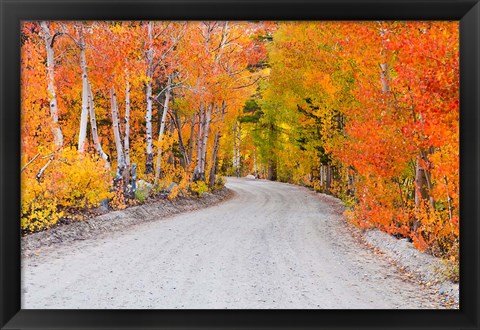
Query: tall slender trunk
[[170, 125], [206, 132], [149, 99], [235, 159], [126, 141], [421, 192], [54, 126], [201, 115], [322, 175], [420, 188], [117, 136], [213, 168], [191, 142], [237, 136], [216, 142], [133, 187], [384, 77], [423, 182], [160, 134], [82, 135], [93, 126]]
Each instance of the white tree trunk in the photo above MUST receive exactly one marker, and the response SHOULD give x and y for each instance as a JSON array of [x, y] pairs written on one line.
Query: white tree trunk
[[201, 121], [213, 168], [82, 135], [149, 99], [191, 142], [55, 128], [322, 175], [117, 136], [206, 131], [160, 133], [237, 136], [384, 77], [43, 169], [234, 160], [93, 126], [216, 144], [126, 141]]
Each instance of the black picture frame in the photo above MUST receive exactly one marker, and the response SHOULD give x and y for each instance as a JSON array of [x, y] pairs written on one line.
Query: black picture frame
[[13, 12]]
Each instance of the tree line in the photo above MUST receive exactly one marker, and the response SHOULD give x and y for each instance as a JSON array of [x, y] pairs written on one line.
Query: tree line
[[122, 99], [369, 112], [366, 111]]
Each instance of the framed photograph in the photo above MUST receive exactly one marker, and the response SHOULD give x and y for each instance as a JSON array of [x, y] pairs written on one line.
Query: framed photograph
[[239, 164]]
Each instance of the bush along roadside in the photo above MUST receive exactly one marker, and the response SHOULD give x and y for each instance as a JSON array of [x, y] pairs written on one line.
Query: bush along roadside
[[73, 187], [153, 209]]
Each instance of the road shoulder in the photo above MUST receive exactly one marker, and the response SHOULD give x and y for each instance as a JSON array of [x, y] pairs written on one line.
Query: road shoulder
[[117, 220], [424, 268]]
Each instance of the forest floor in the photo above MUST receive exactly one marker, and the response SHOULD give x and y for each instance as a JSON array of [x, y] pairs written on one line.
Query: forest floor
[[270, 245]]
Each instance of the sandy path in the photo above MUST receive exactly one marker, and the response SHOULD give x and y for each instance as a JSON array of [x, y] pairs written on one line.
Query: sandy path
[[272, 245]]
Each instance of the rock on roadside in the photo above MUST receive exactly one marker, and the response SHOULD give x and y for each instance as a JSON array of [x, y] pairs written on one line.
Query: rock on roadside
[[423, 265]]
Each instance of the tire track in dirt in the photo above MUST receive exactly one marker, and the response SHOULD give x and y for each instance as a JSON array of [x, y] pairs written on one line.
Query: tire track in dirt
[[273, 245]]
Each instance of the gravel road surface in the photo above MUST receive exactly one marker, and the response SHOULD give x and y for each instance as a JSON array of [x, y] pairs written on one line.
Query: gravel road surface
[[272, 245]]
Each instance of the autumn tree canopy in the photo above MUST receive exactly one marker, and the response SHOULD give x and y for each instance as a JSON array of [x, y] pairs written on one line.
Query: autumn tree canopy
[[366, 111]]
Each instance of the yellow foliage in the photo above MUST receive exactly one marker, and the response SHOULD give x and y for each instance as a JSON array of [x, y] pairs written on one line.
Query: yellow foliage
[[181, 187], [71, 182], [198, 188], [316, 185], [81, 180], [39, 213]]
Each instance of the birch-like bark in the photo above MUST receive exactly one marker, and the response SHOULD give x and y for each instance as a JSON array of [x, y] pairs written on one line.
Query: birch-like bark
[[423, 183], [158, 170], [117, 136], [216, 142], [126, 141], [43, 169], [205, 113], [213, 168], [235, 159], [237, 141], [55, 128], [384, 77], [206, 132], [322, 176], [133, 187], [149, 99], [191, 142], [93, 126], [82, 135], [198, 144]]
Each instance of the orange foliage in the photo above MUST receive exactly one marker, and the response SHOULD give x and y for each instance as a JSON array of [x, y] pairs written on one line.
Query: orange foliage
[[365, 107]]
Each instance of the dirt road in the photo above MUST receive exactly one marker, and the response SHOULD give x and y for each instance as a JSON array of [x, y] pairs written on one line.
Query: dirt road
[[272, 245]]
